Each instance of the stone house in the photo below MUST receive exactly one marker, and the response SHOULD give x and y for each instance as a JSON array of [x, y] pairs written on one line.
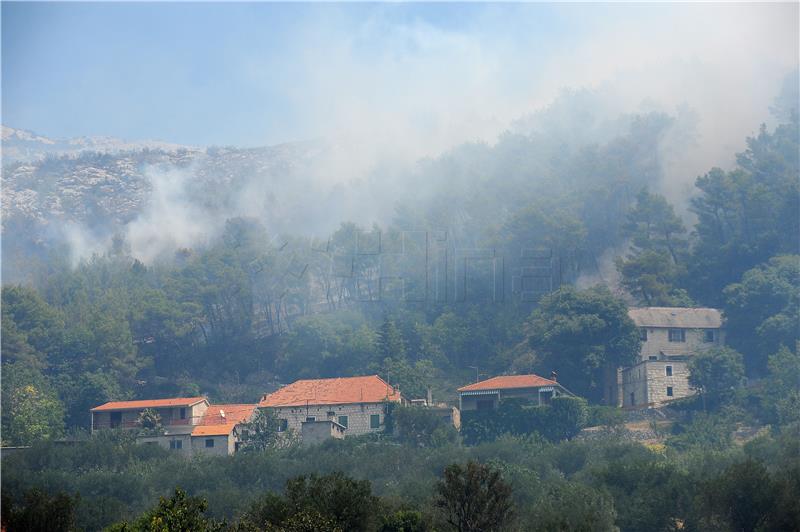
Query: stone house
[[670, 337], [486, 395], [358, 405]]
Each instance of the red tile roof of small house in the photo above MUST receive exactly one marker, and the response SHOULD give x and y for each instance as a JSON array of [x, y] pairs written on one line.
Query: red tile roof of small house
[[337, 391], [509, 382], [213, 423], [149, 403]]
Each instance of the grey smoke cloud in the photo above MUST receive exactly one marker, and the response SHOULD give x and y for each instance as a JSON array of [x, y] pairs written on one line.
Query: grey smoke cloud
[[426, 89]]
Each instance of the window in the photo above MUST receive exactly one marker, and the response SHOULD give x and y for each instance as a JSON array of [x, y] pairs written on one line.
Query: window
[[209, 443], [669, 391], [375, 421], [116, 419], [343, 421], [311, 418], [183, 413], [176, 444], [283, 424], [632, 399], [652, 357], [677, 335], [708, 336], [545, 398], [643, 335], [668, 371]]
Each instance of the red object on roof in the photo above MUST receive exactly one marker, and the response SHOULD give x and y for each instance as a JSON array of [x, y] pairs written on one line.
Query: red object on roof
[[149, 403], [214, 423], [344, 390], [509, 381]]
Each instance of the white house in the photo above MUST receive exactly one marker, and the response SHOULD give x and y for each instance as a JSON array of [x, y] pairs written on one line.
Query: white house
[[188, 425]]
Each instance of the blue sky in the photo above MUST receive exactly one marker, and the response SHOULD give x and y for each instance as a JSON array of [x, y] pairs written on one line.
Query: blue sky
[[196, 73], [261, 73]]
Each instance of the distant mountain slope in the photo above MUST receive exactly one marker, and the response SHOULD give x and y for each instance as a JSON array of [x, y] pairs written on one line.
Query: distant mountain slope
[[23, 145], [147, 194]]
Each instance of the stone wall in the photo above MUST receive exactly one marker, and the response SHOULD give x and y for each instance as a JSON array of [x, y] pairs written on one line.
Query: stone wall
[[648, 382], [658, 342], [358, 416]]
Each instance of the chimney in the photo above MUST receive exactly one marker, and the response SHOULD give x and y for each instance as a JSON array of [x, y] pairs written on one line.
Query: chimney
[[554, 376], [429, 397]]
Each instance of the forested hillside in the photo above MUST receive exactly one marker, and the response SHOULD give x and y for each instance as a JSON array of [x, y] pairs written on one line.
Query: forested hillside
[[441, 287]]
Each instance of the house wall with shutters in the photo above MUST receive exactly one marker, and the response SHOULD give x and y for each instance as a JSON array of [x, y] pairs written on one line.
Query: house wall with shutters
[[658, 342], [358, 416]]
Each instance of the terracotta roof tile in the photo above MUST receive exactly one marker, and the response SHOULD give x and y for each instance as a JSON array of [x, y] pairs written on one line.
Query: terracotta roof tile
[[234, 413], [344, 390], [509, 381], [213, 430], [148, 403], [214, 424]]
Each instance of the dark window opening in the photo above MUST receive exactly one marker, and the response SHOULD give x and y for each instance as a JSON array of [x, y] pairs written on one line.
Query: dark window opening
[[116, 419], [311, 418], [375, 421], [669, 391], [643, 335], [343, 421], [668, 371], [176, 444], [708, 336], [652, 357], [283, 424], [677, 335], [183, 413], [486, 404], [210, 442], [632, 399], [545, 397]]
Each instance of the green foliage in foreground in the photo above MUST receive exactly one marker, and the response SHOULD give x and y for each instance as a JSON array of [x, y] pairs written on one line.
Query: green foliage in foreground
[[563, 419], [573, 485]]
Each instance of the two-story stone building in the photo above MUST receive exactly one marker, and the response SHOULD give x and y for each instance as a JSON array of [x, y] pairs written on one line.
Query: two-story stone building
[[670, 337], [347, 406]]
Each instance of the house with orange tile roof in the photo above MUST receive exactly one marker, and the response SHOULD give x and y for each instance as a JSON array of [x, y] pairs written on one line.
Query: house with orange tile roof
[[219, 431], [351, 405], [188, 424], [485, 395], [174, 412]]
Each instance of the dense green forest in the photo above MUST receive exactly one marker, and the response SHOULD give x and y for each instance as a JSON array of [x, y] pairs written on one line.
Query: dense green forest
[[251, 310]]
